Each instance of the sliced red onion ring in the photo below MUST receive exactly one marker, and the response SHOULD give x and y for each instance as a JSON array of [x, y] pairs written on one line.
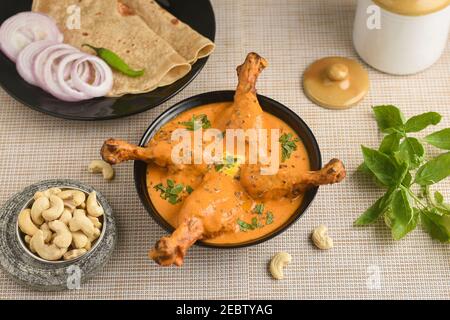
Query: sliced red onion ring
[[103, 73], [49, 80], [26, 58], [41, 59], [20, 30], [63, 82]]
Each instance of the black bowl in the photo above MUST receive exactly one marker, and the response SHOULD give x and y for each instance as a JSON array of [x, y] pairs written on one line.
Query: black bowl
[[270, 106]]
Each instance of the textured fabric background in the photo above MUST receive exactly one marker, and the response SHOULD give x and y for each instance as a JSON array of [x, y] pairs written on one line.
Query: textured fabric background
[[290, 34]]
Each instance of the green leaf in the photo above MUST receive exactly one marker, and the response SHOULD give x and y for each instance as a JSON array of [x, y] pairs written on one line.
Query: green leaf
[[375, 211], [401, 217], [288, 145], [438, 197], [434, 170], [269, 217], [438, 226], [382, 166], [244, 226], [170, 183], [421, 121], [390, 143], [389, 118], [259, 208], [189, 189], [176, 189], [411, 151], [407, 181], [197, 122], [440, 139]]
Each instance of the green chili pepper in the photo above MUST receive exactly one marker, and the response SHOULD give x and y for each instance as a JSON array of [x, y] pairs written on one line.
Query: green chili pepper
[[115, 62]]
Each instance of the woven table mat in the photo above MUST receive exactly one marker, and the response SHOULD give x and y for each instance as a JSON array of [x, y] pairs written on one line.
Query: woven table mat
[[365, 262]]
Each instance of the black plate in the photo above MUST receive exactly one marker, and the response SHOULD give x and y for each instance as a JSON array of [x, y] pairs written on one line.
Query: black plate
[[269, 105], [198, 14]]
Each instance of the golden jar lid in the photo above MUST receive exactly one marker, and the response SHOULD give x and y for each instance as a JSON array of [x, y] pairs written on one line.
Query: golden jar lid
[[336, 82], [412, 7]]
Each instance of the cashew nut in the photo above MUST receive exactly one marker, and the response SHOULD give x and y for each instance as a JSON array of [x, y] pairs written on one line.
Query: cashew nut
[[93, 208], [48, 252], [95, 221], [321, 239], [66, 216], [72, 254], [25, 224], [47, 193], [278, 262], [97, 166], [63, 237], [88, 246], [95, 235], [79, 240], [81, 222], [40, 204], [55, 210], [27, 241], [47, 232], [77, 196]]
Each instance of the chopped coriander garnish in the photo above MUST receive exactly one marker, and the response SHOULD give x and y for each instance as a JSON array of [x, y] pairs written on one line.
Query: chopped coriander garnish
[[269, 217], [228, 163], [259, 208], [173, 192], [288, 145], [197, 122], [245, 226]]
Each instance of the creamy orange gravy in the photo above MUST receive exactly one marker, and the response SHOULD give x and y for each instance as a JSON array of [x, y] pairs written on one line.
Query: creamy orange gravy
[[282, 209]]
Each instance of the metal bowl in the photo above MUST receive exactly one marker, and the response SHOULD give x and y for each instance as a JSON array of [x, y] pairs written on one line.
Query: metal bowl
[[29, 270], [21, 235]]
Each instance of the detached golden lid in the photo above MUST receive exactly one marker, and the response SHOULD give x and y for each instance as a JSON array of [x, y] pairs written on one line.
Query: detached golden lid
[[336, 82], [413, 7]]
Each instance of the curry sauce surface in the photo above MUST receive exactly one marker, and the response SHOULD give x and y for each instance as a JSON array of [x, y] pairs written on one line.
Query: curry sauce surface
[[281, 209]]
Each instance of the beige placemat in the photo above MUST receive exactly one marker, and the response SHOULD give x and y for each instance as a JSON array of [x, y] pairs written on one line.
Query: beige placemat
[[290, 34]]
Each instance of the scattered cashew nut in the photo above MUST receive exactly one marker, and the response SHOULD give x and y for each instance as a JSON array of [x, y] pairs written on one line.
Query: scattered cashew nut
[[26, 225], [40, 204], [97, 166], [55, 210], [92, 206], [278, 262], [63, 237], [321, 238], [48, 252], [75, 253]]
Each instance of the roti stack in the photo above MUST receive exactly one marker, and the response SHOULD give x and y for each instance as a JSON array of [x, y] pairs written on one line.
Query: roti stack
[[141, 32]]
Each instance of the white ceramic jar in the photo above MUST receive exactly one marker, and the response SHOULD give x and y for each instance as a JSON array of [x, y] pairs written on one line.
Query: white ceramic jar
[[401, 42]]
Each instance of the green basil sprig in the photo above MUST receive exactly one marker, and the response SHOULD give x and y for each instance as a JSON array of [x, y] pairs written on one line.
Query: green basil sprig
[[398, 165]]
